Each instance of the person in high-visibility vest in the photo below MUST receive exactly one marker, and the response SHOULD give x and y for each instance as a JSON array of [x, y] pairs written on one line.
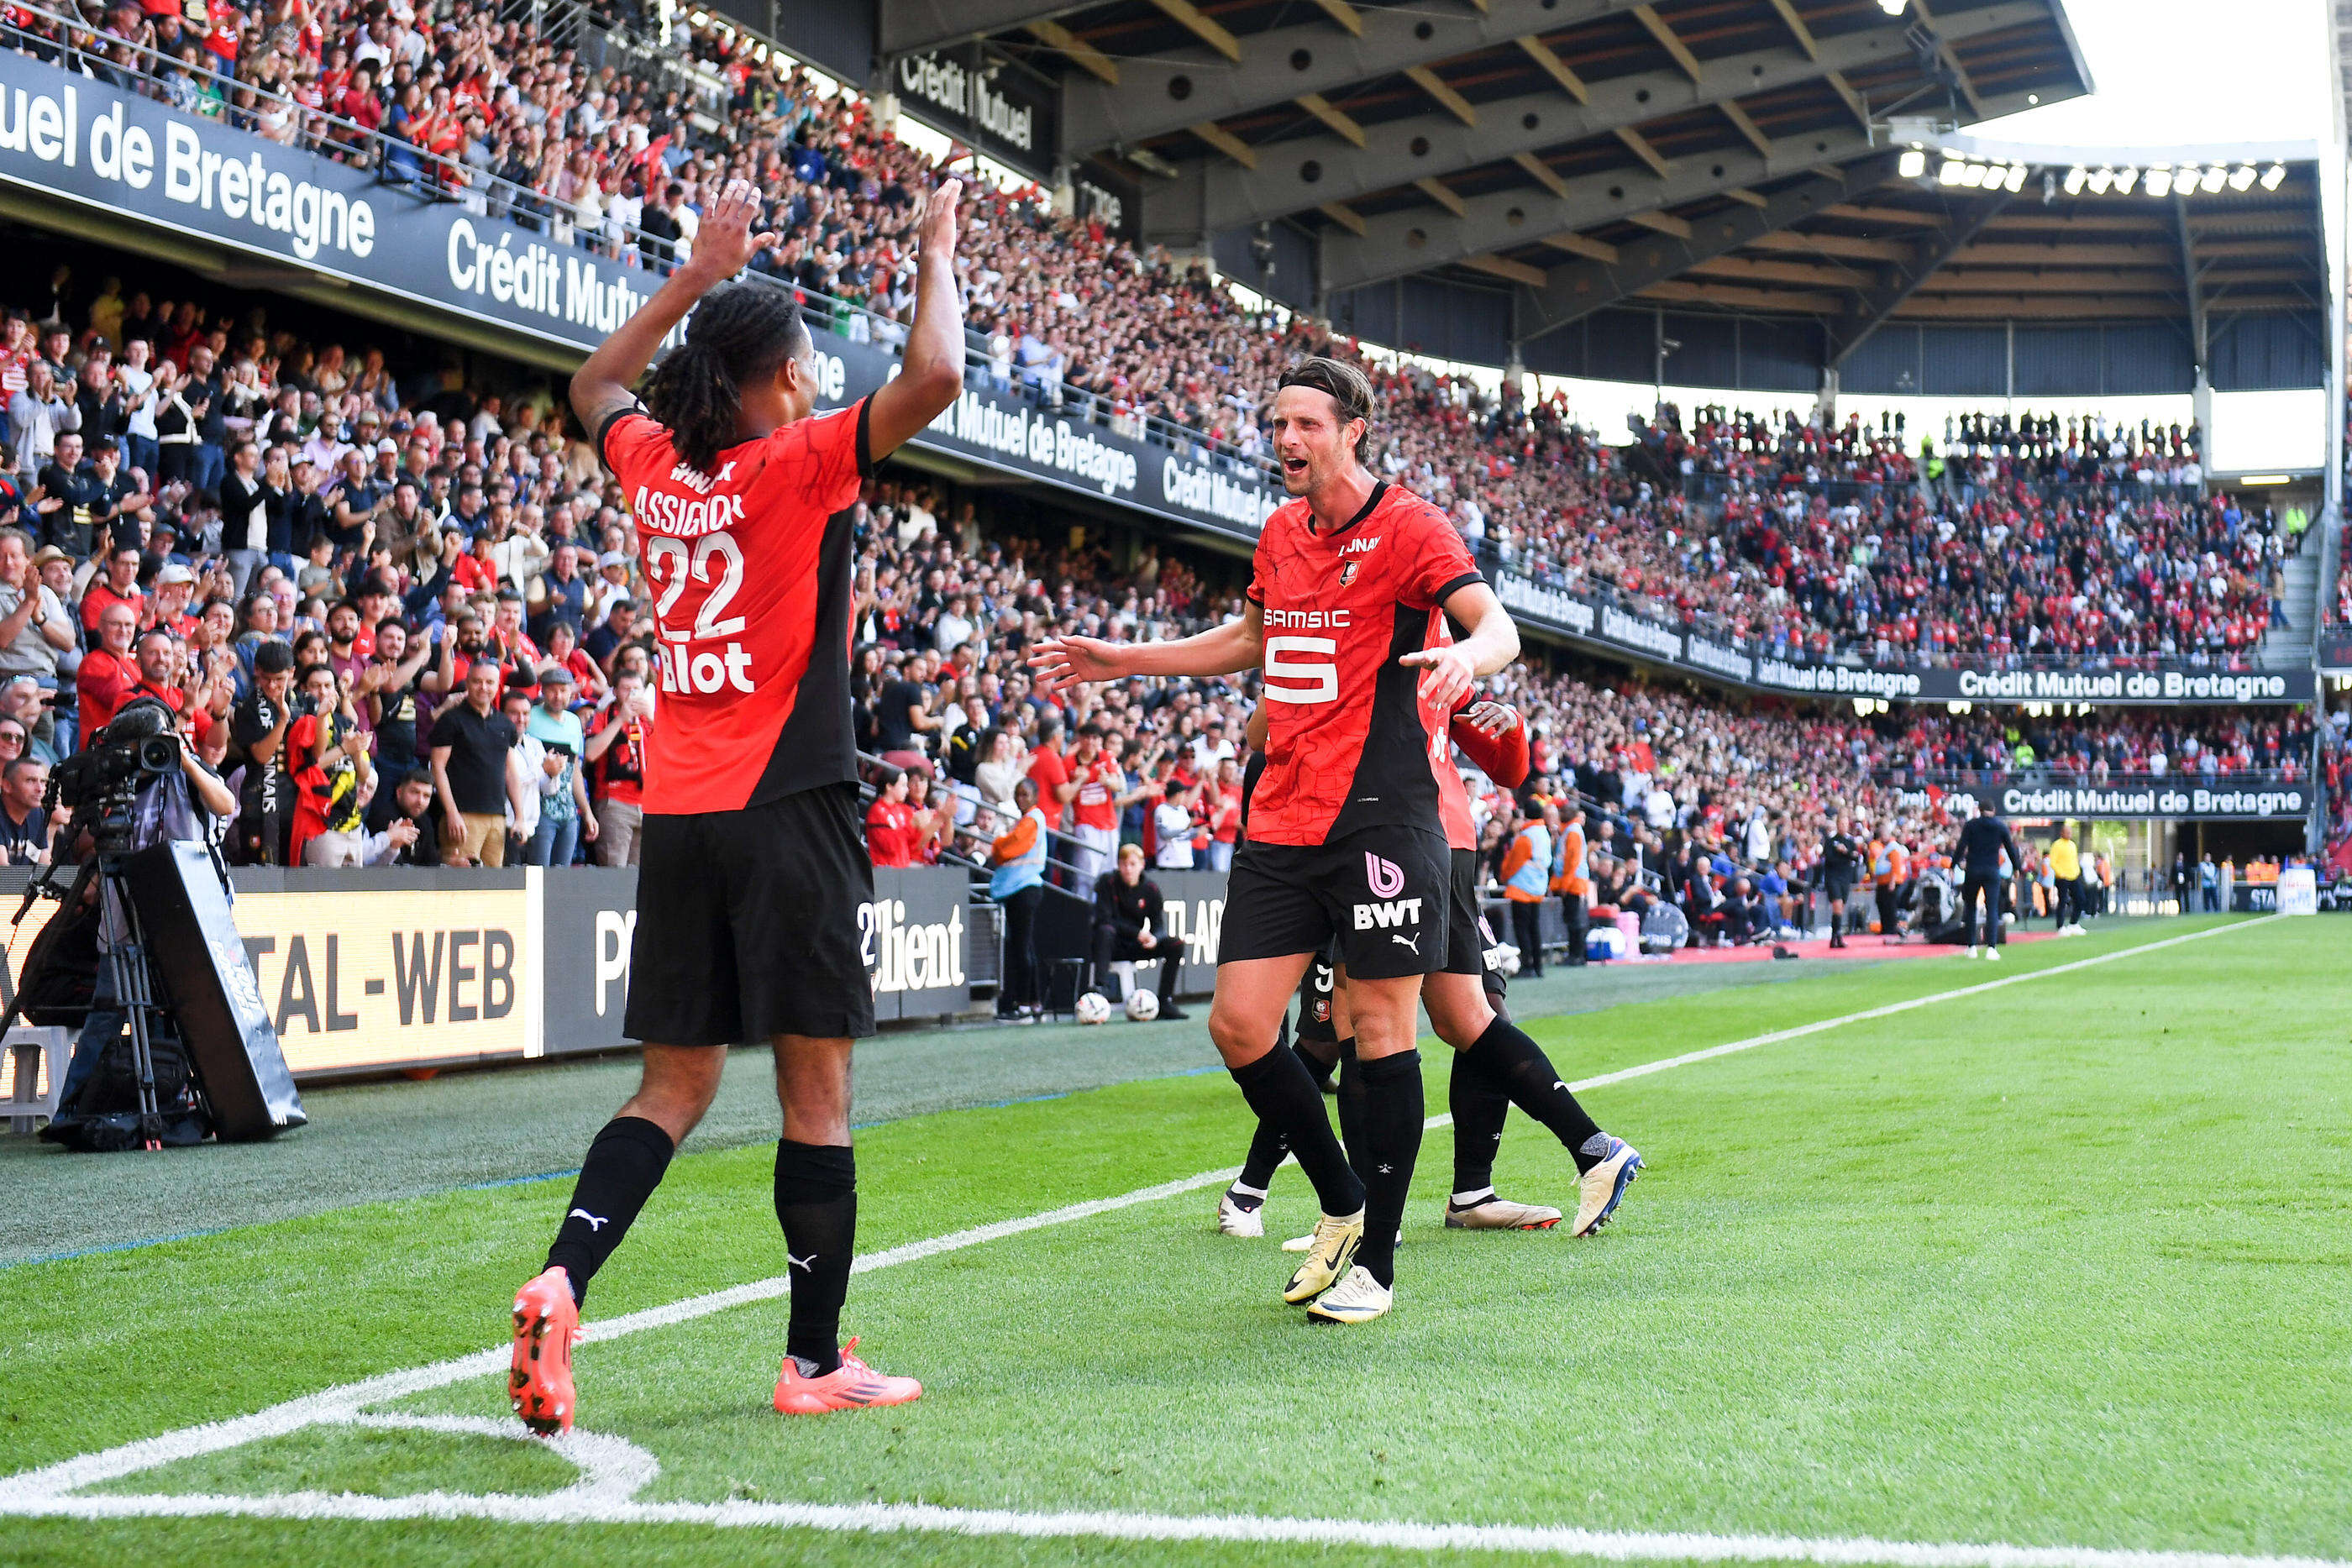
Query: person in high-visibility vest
[[1890, 868], [1527, 874], [1572, 879], [2066, 871]]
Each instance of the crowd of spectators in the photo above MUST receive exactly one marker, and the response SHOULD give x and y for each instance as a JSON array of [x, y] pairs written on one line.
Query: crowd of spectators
[[2040, 539], [348, 584], [352, 578], [2336, 798]]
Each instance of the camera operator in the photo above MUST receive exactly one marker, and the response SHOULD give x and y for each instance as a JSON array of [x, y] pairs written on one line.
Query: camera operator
[[177, 806], [258, 744]]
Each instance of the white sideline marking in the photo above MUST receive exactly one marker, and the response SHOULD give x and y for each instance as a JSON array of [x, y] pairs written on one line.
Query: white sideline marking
[[614, 1468], [1891, 1009], [891, 1519]]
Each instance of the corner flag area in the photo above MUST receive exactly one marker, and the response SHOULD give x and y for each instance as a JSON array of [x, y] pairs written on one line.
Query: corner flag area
[[1935, 1264]]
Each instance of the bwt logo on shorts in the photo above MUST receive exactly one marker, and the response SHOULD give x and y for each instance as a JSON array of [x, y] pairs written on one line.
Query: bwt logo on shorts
[[1386, 879], [1392, 911]]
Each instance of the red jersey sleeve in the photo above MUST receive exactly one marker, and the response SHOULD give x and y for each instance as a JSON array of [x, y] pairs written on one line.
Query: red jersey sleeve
[[630, 441], [1440, 561], [1503, 759], [823, 460]]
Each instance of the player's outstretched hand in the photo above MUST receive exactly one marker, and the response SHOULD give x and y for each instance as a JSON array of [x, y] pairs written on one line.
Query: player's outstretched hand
[[1490, 717], [1061, 662], [724, 244], [1448, 677], [938, 224]]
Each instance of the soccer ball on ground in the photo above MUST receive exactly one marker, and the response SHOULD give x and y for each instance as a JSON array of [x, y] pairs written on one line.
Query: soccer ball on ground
[[1142, 1005], [1093, 1008]]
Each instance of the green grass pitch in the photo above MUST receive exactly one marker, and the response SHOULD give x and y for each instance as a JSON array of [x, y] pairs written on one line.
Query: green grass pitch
[[2060, 1264]]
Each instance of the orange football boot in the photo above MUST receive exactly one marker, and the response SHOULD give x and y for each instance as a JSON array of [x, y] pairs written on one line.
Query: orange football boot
[[848, 1387], [546, 1320]]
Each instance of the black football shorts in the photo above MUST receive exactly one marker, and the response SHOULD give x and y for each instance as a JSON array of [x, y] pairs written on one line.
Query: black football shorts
[[1381, 894], [1467, 935], [748, 924]]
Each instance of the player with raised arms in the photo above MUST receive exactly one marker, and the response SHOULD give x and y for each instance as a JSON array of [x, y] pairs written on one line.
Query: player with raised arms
[[1344, 836], [754, 866]]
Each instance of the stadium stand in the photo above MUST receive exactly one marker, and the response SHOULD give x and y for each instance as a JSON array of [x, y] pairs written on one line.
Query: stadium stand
[[2127, 564]]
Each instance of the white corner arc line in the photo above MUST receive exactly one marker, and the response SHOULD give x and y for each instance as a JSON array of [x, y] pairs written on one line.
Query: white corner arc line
[[43, 1492]]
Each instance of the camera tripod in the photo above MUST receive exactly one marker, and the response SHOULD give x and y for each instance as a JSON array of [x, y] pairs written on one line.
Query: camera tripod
[[125, 965]]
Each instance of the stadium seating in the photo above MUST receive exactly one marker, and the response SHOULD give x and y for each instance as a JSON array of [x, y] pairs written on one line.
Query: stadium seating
[[1796, 541]]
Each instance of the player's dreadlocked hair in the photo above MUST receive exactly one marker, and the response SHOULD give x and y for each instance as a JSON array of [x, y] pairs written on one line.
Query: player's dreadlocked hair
[[738, 335], [1345, 384]]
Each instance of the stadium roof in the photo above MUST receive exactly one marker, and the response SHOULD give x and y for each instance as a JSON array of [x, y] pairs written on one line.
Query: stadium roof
[[1496, 135], [1735, 154]]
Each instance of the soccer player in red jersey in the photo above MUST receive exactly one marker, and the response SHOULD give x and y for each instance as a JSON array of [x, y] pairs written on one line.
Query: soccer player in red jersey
[[753, 869], [1494, 1063], [1344, 835]]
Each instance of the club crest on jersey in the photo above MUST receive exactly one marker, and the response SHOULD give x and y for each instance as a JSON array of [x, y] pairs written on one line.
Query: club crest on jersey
[[1385, 878], [1348, 574]]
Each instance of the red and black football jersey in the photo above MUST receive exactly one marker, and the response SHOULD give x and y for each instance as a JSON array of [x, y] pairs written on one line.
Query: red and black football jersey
[[1347, 744], [750, 568]]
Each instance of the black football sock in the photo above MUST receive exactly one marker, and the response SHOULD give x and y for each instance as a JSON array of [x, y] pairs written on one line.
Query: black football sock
[[1351, 1105], [1280, 1090], [1504, 1055], [625, 1164], [1267, 1148], [1479, 1105], [1393, 1117], [1321, 1056], [817, 1203]]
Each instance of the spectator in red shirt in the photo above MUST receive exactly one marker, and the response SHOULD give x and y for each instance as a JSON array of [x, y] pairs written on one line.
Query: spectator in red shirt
[[1096, 804], [118, 586], [1225, 816], [1051, 770], [893, 838], [617, 751], [107, 672]]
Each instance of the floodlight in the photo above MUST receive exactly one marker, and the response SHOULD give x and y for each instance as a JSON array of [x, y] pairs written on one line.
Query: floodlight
[[1892, 7], [2016, 176], [1972, 175], [2124, 179], [1950, 174], [2075, 178], [2159, 182], [2272, 175], [1912, 164], [2213, 179], [2241, 177], [2100, 180]]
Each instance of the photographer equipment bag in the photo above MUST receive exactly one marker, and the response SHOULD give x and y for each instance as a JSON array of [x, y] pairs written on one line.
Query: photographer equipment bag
[[193, 944], [103, 1117], [60, 967]]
